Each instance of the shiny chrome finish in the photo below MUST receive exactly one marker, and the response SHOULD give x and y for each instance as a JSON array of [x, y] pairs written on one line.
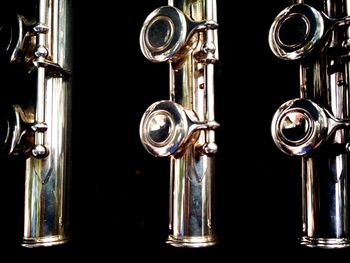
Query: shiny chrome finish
[[166, 31], [316, 126], [167, 128], [299, 29], [47, 172], [299, 126], [184, 34], [41, 131]]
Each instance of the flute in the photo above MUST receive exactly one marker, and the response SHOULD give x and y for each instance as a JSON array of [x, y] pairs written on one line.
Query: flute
[[315, 126], [40, 129], [184, 35]]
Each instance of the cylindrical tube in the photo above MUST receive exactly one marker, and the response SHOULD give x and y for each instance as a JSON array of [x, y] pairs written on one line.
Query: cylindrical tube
[[47, 179], [191, 222], [325, 80]]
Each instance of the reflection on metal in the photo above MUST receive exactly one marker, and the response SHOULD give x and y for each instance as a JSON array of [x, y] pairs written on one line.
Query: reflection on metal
[[316, 126], [41, 130], [184, 34]]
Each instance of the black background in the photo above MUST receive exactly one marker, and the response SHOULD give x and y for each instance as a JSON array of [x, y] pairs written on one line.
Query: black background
[[119, 192]]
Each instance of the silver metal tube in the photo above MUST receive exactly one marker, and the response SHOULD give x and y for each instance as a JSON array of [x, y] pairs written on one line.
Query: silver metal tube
[[191, 221], [324, 176], [47, 179], [314, 126], [184, 34]]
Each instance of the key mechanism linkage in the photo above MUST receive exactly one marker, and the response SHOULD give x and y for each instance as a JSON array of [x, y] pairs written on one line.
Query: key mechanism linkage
[[316, 125], [40, 131], [184, 35]]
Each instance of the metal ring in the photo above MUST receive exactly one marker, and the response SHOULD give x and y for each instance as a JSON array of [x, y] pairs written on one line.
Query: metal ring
[[177, 130], [317, 127], [175, 30], [314, 33]]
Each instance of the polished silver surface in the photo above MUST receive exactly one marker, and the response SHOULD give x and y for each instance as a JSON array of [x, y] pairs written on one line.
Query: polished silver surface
[[299, 29], [166, 128], [166, 32], [41, 130], [323, 124], [299, 126], [183, 127], [48, 170]]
